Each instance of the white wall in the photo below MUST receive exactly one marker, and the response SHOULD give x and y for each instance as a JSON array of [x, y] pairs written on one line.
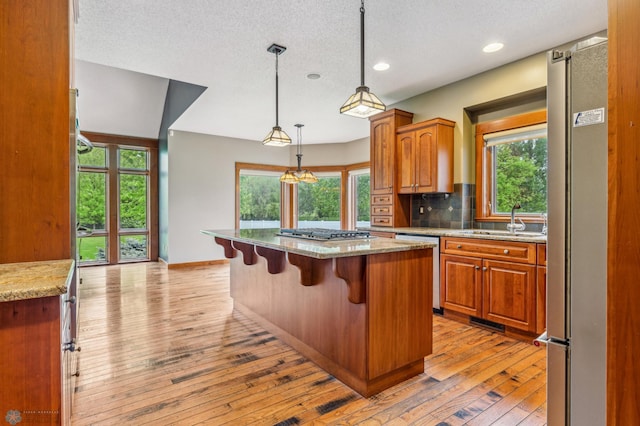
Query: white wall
[[202, 184], [119, 102]]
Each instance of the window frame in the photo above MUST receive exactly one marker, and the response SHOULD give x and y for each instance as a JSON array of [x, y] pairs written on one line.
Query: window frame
[[485, 164]]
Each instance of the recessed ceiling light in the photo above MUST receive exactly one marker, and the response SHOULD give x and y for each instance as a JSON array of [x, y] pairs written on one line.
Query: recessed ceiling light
[[313, 76], [381, 66], [492, 47]]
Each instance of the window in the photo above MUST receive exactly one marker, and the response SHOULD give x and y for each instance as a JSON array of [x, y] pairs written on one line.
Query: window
[[319, 203], [117, 200], [259, 201], [359, 198], [340, 198], [91, 208], [511, 167]]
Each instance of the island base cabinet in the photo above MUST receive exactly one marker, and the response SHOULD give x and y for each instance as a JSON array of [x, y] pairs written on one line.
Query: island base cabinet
[[370, 345]]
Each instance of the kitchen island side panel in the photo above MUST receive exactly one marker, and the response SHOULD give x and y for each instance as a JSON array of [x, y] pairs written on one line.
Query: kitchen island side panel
[[400, 293], [319, 315]]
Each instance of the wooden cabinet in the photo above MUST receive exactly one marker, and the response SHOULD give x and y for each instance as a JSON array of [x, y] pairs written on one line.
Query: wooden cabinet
[[387, 209], [425, 157], [541, 289], [489, 279], [461, 284], [39, 363], [509, 294], [382, 234]]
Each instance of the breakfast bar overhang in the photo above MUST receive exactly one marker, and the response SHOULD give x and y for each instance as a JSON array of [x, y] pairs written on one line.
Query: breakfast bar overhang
[[360, 309]]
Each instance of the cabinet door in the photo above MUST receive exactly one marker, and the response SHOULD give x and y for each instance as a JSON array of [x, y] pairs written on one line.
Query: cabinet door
[[383, 139], [541, 299], [426, 169], [461, 284], [510, 294], [406, 163]]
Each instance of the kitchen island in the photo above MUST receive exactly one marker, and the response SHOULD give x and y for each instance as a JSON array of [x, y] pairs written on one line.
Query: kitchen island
[[360, 309]]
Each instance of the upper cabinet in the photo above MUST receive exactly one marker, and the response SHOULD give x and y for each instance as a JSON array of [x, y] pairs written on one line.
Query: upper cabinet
[[383, 149], [407, 159], [425, 157]]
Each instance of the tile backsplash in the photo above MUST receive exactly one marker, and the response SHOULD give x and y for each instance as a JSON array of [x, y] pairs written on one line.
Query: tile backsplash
[[444, 210], [455, 210]]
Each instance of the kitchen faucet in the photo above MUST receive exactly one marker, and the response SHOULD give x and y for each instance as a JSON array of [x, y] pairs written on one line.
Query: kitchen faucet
[[513, 227]]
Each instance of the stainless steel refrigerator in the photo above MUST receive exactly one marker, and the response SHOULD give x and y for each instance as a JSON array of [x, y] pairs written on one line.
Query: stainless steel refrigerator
[[577, 234]]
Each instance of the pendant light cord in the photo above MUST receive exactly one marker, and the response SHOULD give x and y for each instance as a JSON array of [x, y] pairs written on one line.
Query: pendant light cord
[[277, 125], [362, 43], [299, 150]]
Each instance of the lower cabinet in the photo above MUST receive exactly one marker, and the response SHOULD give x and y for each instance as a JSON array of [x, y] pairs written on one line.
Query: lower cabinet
[[492, 280], [39, 360]]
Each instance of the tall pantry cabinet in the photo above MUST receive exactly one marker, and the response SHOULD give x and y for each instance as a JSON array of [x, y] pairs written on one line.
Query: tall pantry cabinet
[[387, 208], [37, 179]]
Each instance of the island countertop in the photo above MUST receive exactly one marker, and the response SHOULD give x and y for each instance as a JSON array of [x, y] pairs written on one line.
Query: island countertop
[[315, 248], [30, 280]]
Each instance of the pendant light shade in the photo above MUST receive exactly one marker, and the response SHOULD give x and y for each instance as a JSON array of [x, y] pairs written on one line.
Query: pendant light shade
[[363, 103], [289, 177], [277, 136], [307, 177], [299, 175]]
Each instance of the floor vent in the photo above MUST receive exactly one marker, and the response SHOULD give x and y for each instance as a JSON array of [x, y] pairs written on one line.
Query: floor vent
[[486, 323]]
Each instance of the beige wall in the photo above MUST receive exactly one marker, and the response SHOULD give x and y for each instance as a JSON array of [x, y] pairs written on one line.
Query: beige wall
[[450, 102], [334, 154], [202, 184]]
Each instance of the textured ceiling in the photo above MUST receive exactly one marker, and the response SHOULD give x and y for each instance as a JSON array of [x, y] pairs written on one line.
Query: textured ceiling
[[222, 44]]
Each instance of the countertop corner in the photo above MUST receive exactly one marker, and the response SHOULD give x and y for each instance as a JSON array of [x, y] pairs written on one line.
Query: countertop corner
[[31, 280]]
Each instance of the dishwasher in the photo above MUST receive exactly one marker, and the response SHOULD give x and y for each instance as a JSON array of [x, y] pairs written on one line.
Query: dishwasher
[[436, 264]]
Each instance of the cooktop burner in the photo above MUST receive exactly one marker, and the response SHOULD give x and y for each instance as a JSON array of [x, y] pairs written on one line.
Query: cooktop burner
[[324, 234]]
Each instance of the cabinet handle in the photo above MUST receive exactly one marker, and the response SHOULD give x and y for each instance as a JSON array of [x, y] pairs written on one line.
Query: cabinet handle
[[506, 251], [477, 268], [72, 299], [76, 374], [484, 268], [459, 246]]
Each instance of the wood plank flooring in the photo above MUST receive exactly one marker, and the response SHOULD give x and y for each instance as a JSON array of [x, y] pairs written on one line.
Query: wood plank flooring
[[164, 347]]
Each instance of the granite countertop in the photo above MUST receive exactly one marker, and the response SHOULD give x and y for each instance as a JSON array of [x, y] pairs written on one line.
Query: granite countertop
[[524, 236], [314, 248], [30, 280]]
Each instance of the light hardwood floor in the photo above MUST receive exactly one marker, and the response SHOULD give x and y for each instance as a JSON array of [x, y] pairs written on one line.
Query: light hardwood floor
[[163, 347]]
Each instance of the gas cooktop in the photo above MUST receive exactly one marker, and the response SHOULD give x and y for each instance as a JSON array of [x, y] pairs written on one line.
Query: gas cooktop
[[324, 234]]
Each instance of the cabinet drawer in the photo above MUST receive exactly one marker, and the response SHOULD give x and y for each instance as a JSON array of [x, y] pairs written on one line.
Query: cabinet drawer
[[381, 199], [382, 234], [381, 210], [512, 251], [381, 220]]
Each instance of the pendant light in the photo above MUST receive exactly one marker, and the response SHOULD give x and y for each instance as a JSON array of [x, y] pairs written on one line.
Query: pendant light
[[300, 175], [277, 136], [363, 103]]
